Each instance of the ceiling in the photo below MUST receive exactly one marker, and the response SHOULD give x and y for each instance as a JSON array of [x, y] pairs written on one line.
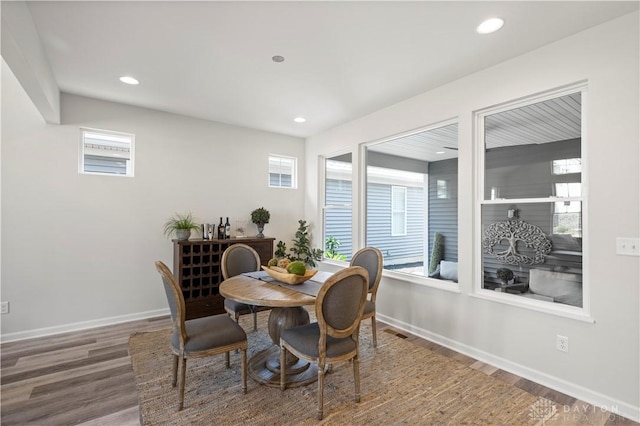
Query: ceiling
[[343, 60], [553, 120]]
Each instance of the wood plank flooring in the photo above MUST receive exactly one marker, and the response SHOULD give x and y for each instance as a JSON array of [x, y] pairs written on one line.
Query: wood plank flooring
[[85, 378]]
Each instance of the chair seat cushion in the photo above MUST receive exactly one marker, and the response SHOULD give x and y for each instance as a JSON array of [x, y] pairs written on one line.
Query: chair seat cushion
[[209, 332], [369, 307], [305, 340], [235, 306]]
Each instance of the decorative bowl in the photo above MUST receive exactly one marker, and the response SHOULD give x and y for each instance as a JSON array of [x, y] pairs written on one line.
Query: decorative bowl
[[289, 278]]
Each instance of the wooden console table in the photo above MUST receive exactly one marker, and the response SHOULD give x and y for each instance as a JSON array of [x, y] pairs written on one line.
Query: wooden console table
[[196, 266]]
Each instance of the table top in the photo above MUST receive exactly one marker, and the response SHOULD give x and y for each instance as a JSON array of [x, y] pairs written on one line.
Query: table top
[[256, 292]]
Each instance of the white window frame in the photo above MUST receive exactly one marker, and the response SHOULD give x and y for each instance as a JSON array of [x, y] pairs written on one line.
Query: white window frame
[[324, 174], [573, 312], [293, 169], [117, 138]]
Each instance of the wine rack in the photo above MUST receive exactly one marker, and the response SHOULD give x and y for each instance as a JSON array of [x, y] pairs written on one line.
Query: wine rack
[[197, 268]]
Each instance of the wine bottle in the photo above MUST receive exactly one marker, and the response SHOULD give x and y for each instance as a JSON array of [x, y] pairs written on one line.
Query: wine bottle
[[227, 229], [221, 230]]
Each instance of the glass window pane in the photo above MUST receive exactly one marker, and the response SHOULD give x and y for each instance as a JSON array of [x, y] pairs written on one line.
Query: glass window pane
[[282, 171], [337, 210], [538, 239], [105, 152], [524, 157], [412, 197]]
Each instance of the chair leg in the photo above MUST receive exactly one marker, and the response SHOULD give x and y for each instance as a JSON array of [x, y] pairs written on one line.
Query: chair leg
[[283, 357], [255, 319], [227, 358], [244, 370], [356, 377], [175, 371], [183, 369], [373, 329], [320, 388]]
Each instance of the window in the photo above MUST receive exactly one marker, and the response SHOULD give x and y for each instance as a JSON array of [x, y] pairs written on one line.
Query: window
[[337, 208], [441, 189], [412, 201], [106, 153], [398, 211], [282, 172], [531, 200]]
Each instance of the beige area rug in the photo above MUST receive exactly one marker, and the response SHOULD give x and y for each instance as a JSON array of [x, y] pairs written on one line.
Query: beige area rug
[[401, 383]]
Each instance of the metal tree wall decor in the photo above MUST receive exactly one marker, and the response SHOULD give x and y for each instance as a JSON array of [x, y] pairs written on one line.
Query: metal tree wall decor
[[512, 231]]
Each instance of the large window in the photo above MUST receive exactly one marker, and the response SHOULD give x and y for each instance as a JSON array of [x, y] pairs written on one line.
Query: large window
[[532, 197], [106, 153], [337, 208], [412, 202]]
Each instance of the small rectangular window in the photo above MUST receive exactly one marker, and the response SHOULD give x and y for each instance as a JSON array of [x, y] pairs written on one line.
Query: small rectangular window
[[567, 166], [282, 172], [398, 211], [441, 189], [106, 153]]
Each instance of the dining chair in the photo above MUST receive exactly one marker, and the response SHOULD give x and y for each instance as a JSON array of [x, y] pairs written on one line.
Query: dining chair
[[334, 337], [238, 259], [200, 337], [370, 258]]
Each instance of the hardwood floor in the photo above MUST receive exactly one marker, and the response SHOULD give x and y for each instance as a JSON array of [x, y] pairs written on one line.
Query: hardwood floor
[[85, 378]]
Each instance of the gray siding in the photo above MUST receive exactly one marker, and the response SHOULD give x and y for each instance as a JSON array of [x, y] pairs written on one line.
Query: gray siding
[[395, 249], [443, 213], [338, 221]]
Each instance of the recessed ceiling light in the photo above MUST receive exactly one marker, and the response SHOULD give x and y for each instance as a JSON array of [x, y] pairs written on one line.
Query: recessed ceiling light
[[440, 152], [490, 25], [129, 80], [277, 58], [299, 119]]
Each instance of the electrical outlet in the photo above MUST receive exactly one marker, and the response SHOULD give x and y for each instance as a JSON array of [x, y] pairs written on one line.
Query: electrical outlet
[[4, 307], [562, 343], [628, 246]]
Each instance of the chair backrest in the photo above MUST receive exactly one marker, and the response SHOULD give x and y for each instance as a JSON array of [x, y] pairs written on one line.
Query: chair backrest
[[340, 303], [175, 299], [370, 258], [238, 259]]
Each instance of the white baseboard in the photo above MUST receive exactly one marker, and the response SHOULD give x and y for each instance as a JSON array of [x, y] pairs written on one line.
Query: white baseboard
[[589, 396], [85, 325]]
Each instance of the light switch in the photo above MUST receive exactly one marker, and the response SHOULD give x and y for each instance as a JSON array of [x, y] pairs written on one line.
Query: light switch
[[628, 246]]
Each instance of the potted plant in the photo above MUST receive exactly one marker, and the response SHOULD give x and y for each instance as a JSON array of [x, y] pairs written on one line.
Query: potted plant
[[260, 216], [505, 275], [301, 250], [180, 225]]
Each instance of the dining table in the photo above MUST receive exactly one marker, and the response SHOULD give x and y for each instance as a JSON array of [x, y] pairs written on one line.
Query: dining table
[[287, 302]]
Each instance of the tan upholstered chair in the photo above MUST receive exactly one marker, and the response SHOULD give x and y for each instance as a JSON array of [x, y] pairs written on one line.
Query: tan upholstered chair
[[199, 337], [334, 338], [370, 258], [236, 260]]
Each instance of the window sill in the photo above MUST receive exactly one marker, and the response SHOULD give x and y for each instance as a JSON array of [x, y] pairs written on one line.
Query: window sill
[[557, 309], [424, 281]]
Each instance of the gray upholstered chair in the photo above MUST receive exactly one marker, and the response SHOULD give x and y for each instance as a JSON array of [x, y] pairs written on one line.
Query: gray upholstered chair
[[238, 259], [199, 337], [334, 338], [370, 258]]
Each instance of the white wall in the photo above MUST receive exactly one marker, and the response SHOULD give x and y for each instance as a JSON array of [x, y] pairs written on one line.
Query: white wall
[[79, 250], [603, 363]]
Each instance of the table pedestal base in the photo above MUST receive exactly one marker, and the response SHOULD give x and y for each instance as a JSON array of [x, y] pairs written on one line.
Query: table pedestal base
[[262, 365]]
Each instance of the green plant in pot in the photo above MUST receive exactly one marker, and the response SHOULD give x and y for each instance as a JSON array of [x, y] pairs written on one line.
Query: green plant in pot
[[180, 225], [260, 216]]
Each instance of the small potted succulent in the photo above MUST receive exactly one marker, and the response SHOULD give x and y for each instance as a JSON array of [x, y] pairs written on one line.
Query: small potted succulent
[[260, 216], [180, 225], [505, 275]]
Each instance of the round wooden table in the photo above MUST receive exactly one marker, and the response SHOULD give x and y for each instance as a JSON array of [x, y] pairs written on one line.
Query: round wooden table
[[286, 312]]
